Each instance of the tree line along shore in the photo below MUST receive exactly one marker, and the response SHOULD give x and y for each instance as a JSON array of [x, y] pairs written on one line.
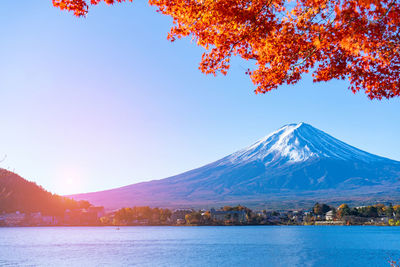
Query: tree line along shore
[[320, 214]]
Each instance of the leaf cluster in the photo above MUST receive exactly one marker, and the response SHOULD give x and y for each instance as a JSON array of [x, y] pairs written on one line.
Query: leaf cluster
[[358, 40]]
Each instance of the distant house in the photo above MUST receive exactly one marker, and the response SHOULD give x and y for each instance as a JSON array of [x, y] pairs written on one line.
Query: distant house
[[273, 217], [36, 218], [262, 214], [180, 221], [12, 219], [49, 220], [231, 215], [89, 216], [384, 219], [329, 215], [297, 216], [179, 214]]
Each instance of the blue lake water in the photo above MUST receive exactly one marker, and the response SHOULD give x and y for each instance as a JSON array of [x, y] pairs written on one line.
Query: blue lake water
[[200, 246]]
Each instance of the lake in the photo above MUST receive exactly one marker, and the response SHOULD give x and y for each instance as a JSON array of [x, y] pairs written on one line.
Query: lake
[[200, 246]]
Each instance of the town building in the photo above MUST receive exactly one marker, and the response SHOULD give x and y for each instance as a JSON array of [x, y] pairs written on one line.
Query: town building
[[12, 219], [329, 215], [238, 216], [179, 214]]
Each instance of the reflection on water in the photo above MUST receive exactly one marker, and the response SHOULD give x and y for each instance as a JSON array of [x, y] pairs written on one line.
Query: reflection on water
[[200, 246]]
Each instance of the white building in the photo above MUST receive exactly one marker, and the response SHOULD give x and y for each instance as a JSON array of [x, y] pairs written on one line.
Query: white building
[[329, 215]]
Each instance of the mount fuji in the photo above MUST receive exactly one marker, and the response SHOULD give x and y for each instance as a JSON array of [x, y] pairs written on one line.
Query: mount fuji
[[292, 167]]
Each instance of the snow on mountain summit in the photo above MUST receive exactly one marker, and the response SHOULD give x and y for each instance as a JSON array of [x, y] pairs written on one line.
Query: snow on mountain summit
[[295, 164], [296, 143]]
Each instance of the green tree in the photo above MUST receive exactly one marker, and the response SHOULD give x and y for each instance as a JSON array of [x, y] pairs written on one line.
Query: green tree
[[389, 210], [343, 210], [320, 209], [165, 215], [371, 211], [124, 216], [193, 218]]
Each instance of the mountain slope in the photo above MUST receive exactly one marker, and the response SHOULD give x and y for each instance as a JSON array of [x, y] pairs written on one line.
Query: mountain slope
[[18, 194], [295, 163]]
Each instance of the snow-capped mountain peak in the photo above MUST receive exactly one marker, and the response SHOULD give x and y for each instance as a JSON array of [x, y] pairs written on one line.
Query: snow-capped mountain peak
[[296, 143], [295, 163]]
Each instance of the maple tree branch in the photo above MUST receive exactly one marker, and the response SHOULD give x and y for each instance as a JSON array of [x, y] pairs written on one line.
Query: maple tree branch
[[312, 51], [283, 35], [388, 10]]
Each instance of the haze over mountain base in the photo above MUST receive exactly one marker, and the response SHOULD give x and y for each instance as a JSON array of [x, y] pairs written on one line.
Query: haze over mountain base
[[290, 168]]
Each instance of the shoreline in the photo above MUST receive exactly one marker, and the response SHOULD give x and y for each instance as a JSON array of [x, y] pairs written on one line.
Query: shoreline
[[258, 225]]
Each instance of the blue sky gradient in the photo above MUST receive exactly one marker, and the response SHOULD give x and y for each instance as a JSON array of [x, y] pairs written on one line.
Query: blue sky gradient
[[101, 102]]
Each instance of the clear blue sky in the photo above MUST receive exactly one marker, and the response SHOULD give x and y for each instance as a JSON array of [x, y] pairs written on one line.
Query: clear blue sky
[[106, 101]]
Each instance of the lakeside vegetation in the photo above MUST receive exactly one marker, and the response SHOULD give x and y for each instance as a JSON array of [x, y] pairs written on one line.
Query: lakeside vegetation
[[319, 214], [24, 203]]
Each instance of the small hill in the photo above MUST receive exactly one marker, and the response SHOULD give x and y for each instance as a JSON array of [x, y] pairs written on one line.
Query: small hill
[[18, 194], [294, 166]]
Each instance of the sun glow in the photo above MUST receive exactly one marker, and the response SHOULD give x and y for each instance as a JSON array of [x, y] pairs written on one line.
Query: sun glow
[[69, 181]]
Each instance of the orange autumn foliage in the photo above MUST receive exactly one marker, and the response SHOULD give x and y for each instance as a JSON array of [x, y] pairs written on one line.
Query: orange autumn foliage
[[334, 39]]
